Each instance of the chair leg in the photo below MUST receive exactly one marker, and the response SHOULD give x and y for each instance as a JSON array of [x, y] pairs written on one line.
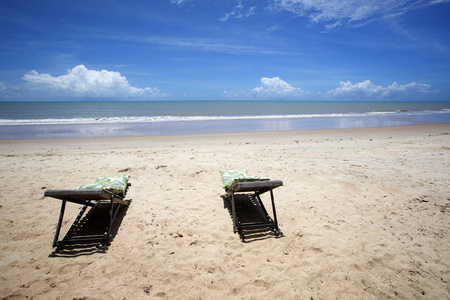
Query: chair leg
[[58, 226], [113, 211], [277, 231], [236, 222], [233, 213], [111, 220]]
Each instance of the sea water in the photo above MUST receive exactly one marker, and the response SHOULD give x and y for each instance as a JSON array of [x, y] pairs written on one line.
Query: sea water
[[70, 119]]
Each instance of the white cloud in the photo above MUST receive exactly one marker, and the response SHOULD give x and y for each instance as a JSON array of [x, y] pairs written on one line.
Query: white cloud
[[439, 1], [276, 88], [238, 12], [367, 89], [229, 94], [337, 12], [274, 28], [82, 82], [179, 2], [204, 44]]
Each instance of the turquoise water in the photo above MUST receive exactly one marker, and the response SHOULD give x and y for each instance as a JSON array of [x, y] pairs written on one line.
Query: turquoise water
[[20, 120]]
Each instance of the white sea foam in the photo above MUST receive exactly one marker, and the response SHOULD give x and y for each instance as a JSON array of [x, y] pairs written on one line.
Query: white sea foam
[[151, 119]]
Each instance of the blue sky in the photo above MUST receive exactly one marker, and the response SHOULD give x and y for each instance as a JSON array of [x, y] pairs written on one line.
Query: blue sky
[[225, 50]]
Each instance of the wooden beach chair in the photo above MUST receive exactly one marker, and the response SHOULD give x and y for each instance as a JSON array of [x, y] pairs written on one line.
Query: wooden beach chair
[[108, 191], [237, 181]]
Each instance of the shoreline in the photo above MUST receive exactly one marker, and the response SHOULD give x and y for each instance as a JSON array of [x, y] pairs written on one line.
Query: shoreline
[[364, 214], [58, 131]]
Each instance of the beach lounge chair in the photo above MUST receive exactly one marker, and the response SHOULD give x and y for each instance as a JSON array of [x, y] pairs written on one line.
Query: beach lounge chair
[[107, 190], [237, 181]]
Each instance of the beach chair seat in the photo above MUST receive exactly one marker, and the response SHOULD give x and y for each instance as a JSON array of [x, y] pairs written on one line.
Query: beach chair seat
[[239, 182], [106, 190]]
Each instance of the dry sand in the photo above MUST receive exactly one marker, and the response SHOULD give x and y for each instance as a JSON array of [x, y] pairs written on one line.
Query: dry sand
[[365, 214]]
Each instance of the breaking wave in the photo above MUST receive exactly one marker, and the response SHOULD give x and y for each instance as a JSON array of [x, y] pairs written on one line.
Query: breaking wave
[[152, 119]]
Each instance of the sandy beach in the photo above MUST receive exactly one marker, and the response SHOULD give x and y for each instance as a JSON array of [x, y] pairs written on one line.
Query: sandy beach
[[365, 214]]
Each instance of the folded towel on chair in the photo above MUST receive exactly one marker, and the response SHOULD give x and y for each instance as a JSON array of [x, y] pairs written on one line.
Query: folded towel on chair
[[114, 184], [231, 177]]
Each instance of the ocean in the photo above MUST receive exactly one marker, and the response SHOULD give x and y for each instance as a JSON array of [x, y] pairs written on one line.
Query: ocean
[[70, 119]]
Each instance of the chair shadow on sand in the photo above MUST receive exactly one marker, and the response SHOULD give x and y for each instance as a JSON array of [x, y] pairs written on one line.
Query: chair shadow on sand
[[93, 223], [250, 211]]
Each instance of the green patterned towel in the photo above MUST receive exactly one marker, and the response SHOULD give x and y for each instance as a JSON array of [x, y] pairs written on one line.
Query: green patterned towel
[[231, 177], [113, 184]]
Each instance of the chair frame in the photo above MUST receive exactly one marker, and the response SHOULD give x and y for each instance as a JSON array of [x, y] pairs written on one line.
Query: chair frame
[[87, 198], [258, 188]]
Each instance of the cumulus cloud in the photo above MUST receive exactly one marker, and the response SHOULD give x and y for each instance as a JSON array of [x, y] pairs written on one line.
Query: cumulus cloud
[[82, 82], [337, 12], [238, 12], [276, 88], [367, 89]]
